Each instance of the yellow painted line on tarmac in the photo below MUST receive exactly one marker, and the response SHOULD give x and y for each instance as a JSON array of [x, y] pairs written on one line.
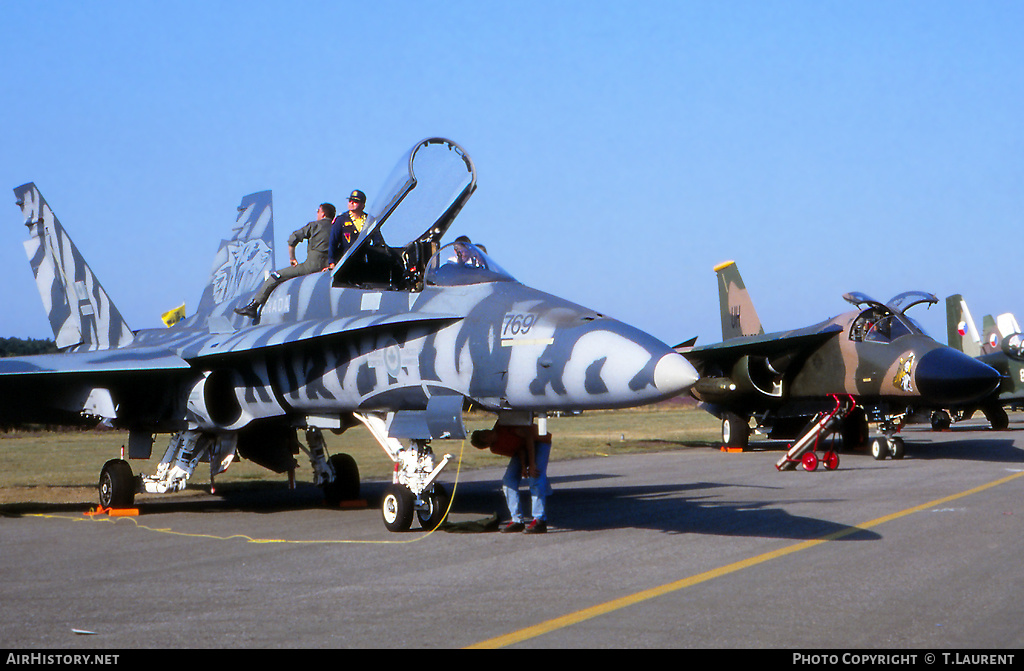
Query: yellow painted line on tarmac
[[646, 595]]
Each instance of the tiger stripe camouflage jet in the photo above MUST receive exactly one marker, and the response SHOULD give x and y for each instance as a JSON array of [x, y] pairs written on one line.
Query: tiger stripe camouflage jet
[[397, 338]]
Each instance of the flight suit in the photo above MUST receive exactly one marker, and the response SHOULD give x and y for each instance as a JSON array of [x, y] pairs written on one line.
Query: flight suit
[[318, 233]]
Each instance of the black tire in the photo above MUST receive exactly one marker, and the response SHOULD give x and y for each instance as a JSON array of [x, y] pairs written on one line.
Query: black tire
[[735, 431], [117, 484], [853, 432], [345, 486], [896, 448], [997, 417], [398, 508], [879, 449], [437, 500], [941, 420]]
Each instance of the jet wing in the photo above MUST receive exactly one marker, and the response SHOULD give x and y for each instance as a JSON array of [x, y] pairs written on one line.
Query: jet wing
[[102, 361], [264, 337], [56, 388], [775, 346]]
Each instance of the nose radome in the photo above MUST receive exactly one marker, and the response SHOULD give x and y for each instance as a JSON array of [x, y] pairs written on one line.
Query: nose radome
[[673, 374], [947, 375]]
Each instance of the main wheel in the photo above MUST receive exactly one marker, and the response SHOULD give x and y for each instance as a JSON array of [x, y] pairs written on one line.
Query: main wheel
[[879, 449], [398, 508], [735, 431], [896, 447], [941, 420], [117, 484], [437, 507], [997, 417], [345, 486], [853, 431]]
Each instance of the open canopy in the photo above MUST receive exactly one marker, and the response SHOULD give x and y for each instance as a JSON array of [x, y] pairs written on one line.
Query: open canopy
[[407, 218]]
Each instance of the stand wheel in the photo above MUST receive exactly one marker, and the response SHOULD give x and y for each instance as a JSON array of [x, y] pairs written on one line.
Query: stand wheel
[[810, 461], [831, 461]]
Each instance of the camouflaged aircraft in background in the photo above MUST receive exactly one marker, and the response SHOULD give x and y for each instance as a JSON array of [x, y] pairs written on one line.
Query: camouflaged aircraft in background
[[1000, 346], [396, 338], [876, 357]]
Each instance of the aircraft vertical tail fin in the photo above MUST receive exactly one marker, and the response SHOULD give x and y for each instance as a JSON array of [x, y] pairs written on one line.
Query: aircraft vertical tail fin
[[242, 262], [81, 313], [961, 333], [739, 317], [991, 337]]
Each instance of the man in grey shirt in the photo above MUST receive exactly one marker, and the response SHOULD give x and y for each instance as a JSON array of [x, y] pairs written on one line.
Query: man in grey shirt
[[318, 233]]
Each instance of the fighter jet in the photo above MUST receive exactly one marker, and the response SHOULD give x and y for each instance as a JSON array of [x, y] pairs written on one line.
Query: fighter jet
[[876, 360], [396, 338], [1000, 346]]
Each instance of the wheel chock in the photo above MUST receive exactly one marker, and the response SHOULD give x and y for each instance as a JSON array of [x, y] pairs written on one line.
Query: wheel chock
[[113, 512]]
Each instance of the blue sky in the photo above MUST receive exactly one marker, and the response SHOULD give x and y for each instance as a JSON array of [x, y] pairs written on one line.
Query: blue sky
[[623, 148]]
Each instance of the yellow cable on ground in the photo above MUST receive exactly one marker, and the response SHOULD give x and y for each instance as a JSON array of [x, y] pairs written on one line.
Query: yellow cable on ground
[[250, 539]]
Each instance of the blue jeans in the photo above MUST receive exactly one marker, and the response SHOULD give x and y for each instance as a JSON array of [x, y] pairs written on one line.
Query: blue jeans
[[539, 486]]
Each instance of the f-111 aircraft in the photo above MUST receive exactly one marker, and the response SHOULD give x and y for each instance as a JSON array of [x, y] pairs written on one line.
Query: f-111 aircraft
[[397, 338], [875, 355], [1000, 346]]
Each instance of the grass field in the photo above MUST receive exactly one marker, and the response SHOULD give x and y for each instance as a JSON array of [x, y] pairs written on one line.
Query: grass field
[[63, 467]]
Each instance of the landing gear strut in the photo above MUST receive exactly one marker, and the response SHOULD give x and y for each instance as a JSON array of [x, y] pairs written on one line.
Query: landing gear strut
[[413, 491], [889, 444]]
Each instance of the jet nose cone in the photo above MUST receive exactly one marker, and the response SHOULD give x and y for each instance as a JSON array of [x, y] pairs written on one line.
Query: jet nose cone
[[946, 375], [673, 374]]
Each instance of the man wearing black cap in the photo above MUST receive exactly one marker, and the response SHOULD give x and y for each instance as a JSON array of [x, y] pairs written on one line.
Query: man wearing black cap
[[347, 226]]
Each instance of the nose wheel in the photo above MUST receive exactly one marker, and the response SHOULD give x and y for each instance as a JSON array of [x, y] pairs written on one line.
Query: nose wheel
[[400, 505], [886, 447]]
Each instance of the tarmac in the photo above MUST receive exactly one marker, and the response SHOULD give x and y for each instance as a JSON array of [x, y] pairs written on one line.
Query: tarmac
[[689, 548]]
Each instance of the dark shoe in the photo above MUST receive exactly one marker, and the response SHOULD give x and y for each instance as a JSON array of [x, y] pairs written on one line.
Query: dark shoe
[[249, 310], [536, 527], [510, 527]]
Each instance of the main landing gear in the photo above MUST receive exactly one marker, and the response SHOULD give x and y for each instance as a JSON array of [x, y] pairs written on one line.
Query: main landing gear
[[117, 485]]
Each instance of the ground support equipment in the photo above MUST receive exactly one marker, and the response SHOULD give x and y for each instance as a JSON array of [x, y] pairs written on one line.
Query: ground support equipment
[[803, 450]]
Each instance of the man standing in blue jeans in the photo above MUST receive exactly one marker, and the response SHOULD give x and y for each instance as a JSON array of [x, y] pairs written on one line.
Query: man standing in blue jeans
[[528, 453]]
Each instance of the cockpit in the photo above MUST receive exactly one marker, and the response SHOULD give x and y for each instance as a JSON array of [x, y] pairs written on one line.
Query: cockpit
[[460, 263], [878, 325], [884, 323]]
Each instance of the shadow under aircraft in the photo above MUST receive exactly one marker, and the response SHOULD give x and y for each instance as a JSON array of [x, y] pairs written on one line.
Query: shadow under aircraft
[[872, 364], [397, 338]]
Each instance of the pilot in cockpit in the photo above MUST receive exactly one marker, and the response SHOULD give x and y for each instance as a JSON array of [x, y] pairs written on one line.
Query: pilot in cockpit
[[466, 254]]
